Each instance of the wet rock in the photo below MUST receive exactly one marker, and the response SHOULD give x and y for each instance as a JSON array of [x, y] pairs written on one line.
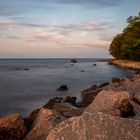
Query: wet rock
[[71, 100], [107, 99], [62, 88], [94, 64], [103, 84], [115, 80], [12, 128], [96, 127], [73, 60], [94, 87]]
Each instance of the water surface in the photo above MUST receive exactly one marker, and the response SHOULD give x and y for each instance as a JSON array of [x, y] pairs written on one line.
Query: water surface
[[24, 90]]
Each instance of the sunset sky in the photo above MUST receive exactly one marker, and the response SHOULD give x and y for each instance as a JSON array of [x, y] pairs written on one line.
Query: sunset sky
[[61, 28]]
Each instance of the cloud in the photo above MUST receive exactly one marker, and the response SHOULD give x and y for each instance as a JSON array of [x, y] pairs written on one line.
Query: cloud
[[84, 28], [89, 2], [11, 24]]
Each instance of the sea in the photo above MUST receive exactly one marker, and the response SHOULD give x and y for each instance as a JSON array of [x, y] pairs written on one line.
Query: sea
[[28, 84]]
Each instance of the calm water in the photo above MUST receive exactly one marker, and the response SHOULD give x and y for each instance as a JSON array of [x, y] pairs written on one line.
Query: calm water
[[22, 91]]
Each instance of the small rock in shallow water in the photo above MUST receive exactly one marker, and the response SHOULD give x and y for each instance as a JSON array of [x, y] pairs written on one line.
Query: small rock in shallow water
[[62, 88], [26, 69], [82, 71], [73, 60]]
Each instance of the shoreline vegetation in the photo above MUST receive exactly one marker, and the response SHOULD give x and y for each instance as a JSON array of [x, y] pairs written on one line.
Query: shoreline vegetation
[[109, 111]]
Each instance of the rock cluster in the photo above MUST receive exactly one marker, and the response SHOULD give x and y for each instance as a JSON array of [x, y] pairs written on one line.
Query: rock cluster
[[106, 112]]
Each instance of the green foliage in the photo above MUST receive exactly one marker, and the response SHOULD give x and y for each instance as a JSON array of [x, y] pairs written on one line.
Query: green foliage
[[127, 44]]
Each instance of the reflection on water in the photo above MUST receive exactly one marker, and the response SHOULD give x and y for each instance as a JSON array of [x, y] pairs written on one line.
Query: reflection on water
[[24, 90]]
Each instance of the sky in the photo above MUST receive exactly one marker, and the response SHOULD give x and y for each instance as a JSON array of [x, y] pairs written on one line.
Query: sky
[[62, 28]]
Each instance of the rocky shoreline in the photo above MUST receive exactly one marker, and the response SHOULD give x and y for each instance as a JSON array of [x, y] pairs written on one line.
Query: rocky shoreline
[[126, 64], [109, 111]]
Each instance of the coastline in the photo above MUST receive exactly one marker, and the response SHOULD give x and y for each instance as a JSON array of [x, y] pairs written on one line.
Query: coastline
[[62, 115], [126, 64]]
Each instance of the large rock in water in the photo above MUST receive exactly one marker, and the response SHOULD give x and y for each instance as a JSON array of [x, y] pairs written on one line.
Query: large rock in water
[[96, 127], [45, 121], [107, 99], [12, 128]]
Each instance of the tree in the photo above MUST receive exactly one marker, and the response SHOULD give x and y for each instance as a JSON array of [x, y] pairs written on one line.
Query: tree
[[127, 44]]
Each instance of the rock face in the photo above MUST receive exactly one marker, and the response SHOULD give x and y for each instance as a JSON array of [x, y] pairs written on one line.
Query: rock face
[[62, 88], [45, 121], [96, 127], [12, 128], [107, 99]]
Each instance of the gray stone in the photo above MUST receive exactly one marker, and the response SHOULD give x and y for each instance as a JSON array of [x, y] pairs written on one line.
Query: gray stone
[[107, 99], [96, 127]]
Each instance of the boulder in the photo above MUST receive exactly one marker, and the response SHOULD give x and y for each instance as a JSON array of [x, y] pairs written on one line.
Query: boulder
[[96, 127], [111, 99], [62, 88], [12, 127], [87, 98], [115, 80], [41, 130], [44, 114], [45, 120]]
